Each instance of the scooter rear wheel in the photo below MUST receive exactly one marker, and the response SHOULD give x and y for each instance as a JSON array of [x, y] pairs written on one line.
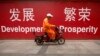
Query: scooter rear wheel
[[39, 41]]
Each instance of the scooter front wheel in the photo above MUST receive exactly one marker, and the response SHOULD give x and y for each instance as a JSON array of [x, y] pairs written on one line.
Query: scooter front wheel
[[61, 41]]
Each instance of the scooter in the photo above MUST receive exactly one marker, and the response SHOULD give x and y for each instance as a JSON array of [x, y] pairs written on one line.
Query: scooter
[[45, 38]]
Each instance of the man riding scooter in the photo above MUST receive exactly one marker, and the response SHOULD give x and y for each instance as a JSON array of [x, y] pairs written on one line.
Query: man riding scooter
[[50, 34], [47, 27]]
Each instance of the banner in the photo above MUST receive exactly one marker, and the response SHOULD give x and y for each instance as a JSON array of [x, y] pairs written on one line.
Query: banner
[[19, 19]]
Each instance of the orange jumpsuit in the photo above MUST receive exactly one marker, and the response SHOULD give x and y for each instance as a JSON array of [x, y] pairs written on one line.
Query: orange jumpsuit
[[47, 28]]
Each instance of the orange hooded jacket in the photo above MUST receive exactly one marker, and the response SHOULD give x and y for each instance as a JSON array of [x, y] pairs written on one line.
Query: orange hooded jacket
[[47, 28]]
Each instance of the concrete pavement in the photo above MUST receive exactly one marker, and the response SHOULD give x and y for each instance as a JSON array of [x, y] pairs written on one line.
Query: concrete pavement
[[29, 48]]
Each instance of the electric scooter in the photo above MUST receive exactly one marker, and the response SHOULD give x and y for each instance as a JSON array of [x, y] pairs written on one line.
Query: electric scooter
[[45, 38]]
